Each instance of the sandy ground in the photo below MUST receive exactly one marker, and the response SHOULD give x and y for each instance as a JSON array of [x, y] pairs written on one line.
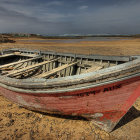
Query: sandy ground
[[130, 46], [17, 123]]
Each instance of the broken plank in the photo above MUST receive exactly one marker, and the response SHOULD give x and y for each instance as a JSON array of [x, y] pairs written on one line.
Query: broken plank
[[49, 73], [22, 61], [29, 67]]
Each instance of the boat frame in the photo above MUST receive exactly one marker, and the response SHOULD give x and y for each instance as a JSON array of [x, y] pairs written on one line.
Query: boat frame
[[33, 92]]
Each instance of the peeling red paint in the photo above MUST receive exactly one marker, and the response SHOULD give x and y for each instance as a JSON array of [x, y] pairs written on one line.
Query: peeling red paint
[[113, 104]]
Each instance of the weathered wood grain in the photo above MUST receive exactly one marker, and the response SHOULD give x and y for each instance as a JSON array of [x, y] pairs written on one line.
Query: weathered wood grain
[[55, 70], [22, 61], [29, 67]]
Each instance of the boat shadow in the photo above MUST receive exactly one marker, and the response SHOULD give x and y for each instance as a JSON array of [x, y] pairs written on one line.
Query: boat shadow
[[68, 117], [132, 114]]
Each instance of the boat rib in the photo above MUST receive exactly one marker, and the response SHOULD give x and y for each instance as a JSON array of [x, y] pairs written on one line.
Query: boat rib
[[54, 71]]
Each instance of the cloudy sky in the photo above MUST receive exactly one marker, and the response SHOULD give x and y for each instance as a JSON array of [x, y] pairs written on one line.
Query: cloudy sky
[[70, 16]]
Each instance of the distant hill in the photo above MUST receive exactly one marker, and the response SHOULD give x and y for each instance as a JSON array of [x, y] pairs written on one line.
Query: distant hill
[[65, 36]]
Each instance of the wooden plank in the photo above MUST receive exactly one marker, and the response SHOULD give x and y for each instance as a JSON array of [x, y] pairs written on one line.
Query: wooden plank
[[27, 55], [49, 73], [19, 54], [10, 54], [6, 55], [22, 61], [29, 67]]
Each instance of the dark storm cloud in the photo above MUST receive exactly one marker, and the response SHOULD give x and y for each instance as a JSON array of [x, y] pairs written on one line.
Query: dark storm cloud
[[75, 16]]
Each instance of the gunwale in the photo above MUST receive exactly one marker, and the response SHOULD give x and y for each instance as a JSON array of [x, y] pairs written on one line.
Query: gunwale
[[54, 91]]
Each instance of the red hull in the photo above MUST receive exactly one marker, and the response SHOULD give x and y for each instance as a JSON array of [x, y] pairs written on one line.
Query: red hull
[[105, 105]]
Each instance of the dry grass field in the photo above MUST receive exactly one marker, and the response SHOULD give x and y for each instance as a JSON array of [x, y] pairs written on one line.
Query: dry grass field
[[17, 123], [129, 46]]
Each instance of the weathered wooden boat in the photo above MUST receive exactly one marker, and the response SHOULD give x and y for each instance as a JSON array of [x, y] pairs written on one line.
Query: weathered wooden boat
[[99, 88]]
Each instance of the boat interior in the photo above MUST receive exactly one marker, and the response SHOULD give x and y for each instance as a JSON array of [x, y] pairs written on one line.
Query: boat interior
[[22, 64]]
